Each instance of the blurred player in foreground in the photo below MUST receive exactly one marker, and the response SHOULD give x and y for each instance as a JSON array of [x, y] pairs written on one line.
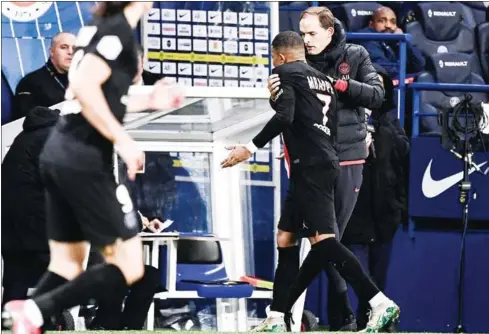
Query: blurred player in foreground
[[306, 115], [84, 203]]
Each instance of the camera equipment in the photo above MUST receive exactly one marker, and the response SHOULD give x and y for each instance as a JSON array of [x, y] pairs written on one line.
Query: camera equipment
[[465, 128]]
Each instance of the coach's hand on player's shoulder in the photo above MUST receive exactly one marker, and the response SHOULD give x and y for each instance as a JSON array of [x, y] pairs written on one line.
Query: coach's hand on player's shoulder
[[273, 84], [237, 155], [166, 95], [133, 157]]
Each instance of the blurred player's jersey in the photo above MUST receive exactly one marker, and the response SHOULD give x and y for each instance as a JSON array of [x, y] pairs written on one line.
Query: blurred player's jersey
[[311, 137], [75, 142]]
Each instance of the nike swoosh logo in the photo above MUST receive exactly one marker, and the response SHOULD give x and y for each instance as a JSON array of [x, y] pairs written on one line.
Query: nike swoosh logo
[[433, 188], [151, 14], [151, 67], [182, 15]]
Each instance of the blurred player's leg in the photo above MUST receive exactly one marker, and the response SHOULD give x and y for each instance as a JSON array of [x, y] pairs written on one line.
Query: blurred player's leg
[[139, 299], [97, 203]]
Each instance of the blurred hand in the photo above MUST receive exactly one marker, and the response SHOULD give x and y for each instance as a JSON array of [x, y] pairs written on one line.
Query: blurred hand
[[132, 156], [155, 226], [166, 95], [237, 155], [398, 31]]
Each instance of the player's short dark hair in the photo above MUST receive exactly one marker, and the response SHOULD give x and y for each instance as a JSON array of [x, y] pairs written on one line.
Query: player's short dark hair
[[325, 16], [288, 40], [110, 8]]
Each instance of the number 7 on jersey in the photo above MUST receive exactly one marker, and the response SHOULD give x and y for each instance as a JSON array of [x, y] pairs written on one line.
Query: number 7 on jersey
[[326, 99]]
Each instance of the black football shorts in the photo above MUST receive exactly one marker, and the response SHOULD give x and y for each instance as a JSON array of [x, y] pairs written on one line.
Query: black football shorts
[[309, 208], [87, 206]]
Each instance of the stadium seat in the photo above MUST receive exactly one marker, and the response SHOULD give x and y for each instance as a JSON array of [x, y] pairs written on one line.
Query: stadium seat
[[482, 33], [439, 28], [289, 14], [355, 15], [446, 68], [200, 268], [474, 12], [7, 100]]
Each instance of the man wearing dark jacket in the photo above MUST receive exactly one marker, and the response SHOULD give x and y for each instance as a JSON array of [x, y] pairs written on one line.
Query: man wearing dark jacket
[[386, 53], [381, 204], [46, 86], [25, 248], [350, 67]]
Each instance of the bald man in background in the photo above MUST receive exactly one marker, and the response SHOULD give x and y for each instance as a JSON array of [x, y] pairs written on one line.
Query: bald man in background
[[46, 86], [384, 20]]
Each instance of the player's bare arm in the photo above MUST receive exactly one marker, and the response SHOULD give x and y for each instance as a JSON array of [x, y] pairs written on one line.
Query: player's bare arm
[[164, 95]]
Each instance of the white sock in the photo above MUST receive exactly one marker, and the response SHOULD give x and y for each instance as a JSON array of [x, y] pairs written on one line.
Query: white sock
[[275, 314], [33, 313], [378, 299]]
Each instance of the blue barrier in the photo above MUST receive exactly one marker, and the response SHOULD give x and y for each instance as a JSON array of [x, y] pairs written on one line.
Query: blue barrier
[[439, 87]]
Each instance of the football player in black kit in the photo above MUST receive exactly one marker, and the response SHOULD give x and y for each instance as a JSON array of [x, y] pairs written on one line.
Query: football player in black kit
[[84, 204], [305, 115]]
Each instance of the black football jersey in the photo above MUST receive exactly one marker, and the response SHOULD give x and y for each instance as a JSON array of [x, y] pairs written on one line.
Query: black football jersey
[[308, 98], [75, 140]]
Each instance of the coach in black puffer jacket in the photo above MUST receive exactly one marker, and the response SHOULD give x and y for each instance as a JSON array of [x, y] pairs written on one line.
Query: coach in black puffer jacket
[[350, 62]]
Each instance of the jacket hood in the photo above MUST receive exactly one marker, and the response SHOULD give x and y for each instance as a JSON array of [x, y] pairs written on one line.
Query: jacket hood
[[40, 117], [338, 41]]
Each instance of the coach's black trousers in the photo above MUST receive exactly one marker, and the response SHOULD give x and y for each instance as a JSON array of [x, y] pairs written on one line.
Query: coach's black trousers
[[346, 193]]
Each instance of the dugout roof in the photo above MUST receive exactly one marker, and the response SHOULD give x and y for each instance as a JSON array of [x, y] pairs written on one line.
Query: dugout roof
[[204, 119]]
